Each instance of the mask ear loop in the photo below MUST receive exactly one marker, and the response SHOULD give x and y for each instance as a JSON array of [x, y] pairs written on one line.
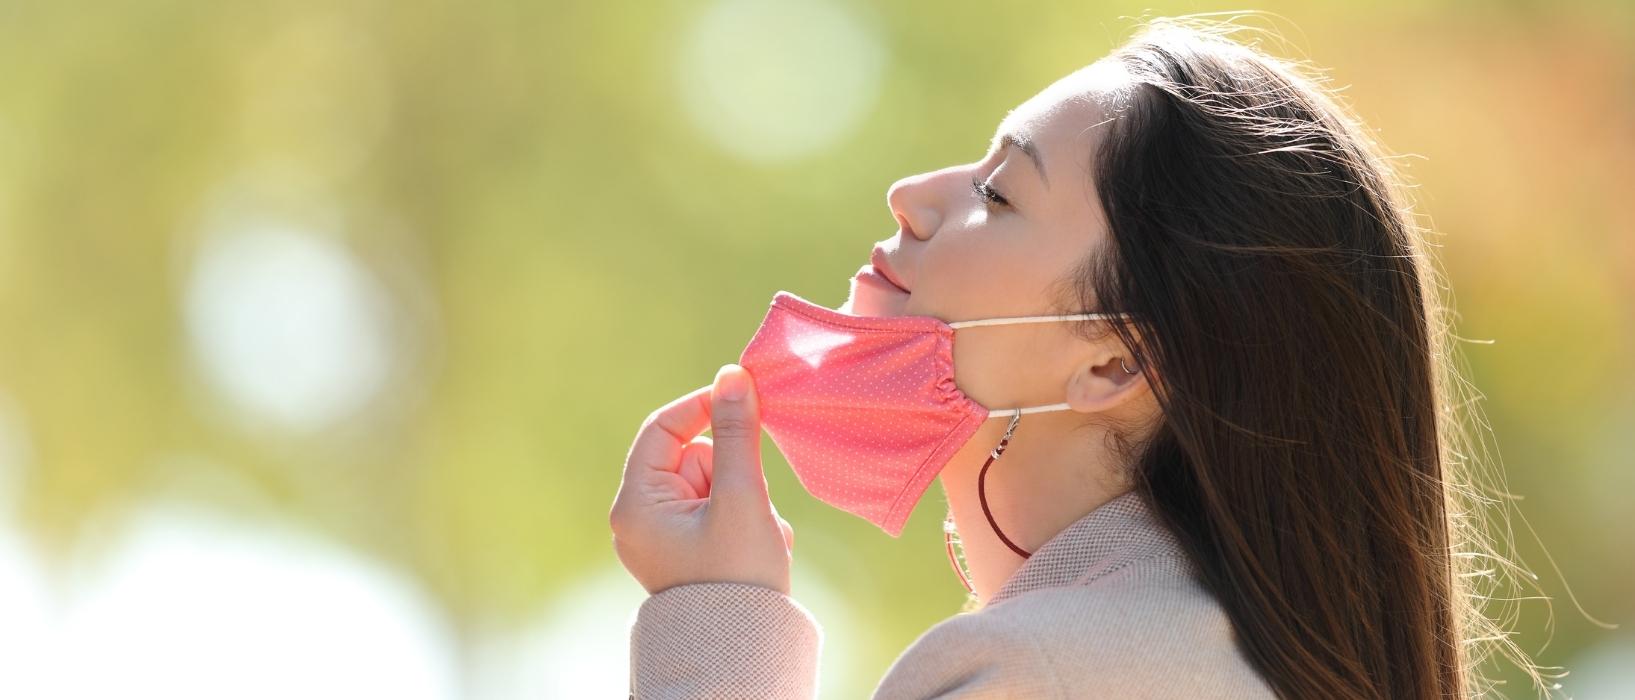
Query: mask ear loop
[[981, 485]]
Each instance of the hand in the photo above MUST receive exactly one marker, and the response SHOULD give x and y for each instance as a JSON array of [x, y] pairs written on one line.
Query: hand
[[693, 510]]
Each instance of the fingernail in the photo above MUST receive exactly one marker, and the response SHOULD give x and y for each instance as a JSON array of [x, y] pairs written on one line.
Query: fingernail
[[731, 383]]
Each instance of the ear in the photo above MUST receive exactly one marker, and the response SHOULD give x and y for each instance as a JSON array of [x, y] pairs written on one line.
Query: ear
[[1100, 384]]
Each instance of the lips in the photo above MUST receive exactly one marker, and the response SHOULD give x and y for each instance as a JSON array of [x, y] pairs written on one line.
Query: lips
[[874, 295], [877, 258]]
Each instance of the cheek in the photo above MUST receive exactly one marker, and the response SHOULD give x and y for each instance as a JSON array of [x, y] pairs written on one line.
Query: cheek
[[976, 274], [978, 362], [956, 277]]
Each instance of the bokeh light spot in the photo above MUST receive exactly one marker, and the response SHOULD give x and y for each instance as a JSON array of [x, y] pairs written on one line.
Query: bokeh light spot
[[774, 81], [286, 324], [193, 604]]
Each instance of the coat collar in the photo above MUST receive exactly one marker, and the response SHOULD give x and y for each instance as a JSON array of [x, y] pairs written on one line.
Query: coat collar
[[1116, 533]]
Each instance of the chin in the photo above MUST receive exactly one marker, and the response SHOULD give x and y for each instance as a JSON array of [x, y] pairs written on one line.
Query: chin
[[868, 299]]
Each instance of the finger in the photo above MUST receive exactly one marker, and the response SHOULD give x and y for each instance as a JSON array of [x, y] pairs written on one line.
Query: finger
[[735, 426], [659, 443], [696, 462]]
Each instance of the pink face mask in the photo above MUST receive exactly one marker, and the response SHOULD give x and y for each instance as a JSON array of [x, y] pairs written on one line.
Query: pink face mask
[[864, 408]]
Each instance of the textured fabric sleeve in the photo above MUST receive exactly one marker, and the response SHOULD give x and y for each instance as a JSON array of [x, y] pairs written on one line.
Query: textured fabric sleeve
[[971, 655], [723, 640]]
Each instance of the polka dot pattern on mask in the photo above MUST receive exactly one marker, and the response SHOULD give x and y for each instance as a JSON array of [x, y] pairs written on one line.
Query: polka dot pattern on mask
[[863, 408]]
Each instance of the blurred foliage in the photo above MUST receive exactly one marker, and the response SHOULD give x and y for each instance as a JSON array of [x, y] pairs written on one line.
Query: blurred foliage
[[564, 249]]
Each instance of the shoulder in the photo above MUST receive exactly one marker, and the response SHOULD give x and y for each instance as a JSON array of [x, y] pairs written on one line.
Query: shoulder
[[977, 654], [1145, 631], [1148, 628]]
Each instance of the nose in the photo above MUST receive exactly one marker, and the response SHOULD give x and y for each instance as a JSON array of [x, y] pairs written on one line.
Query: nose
[[914, 203]]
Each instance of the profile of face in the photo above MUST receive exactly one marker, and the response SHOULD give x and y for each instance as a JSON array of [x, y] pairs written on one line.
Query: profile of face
[[1001, 237]]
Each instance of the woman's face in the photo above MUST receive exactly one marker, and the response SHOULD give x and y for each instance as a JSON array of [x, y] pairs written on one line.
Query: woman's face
[[1006, 246]]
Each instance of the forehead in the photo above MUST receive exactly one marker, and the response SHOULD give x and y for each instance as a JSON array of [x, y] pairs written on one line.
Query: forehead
[[1066, 118]]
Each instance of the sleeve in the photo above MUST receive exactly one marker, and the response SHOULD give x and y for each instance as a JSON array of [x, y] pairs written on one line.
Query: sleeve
[[971, 655], [723, 640]]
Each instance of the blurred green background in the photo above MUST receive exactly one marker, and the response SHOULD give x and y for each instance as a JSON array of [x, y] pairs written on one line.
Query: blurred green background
[[327, 325]]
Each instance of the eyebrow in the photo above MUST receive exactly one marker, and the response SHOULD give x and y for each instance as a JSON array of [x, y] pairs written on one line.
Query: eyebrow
[[1026, 145]]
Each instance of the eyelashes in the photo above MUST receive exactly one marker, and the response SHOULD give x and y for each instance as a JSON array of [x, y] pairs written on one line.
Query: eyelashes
[[987, 193]]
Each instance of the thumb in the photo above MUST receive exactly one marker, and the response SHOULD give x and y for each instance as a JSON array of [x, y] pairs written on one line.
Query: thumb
[[788, 533], [735, 428], [787, 529]]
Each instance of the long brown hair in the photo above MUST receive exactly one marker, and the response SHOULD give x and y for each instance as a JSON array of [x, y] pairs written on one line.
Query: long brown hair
[[1287, 316]]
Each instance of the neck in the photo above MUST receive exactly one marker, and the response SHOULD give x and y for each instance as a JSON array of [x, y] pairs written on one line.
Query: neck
[[1054, 471]]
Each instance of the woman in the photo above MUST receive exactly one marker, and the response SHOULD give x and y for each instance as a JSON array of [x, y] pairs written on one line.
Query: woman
[[1236, 476]]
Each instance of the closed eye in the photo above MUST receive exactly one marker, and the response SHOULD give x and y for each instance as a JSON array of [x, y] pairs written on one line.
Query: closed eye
[[987, 193]]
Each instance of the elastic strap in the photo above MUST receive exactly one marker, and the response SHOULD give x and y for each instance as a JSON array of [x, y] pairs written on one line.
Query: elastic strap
[[1030, 409], [1029, 319]]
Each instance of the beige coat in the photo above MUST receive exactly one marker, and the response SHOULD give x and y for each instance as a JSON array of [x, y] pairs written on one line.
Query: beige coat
[[1110, 607]]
